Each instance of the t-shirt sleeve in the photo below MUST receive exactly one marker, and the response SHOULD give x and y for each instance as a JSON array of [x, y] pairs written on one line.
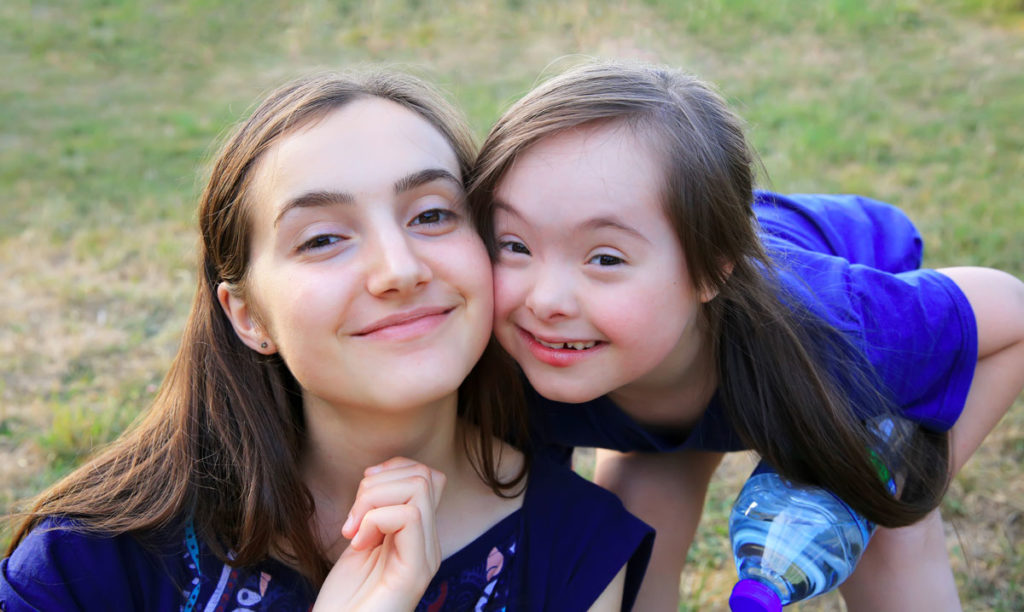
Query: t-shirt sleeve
[[921, 335], [55, 568], [581, 536], [916, 328], [858, 229]]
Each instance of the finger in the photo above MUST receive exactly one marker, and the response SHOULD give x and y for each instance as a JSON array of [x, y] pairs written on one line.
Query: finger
[[397, 467], [379, 490], [393, 463], [415, 488], [398, 471], [399, 552], [400, 521], [404, 526]]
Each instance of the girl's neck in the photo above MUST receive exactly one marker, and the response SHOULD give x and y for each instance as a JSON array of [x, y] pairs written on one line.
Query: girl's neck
[[675, 396], [341, 443]]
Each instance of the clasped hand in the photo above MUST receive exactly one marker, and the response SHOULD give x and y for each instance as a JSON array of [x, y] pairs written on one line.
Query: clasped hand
[[394, 550]]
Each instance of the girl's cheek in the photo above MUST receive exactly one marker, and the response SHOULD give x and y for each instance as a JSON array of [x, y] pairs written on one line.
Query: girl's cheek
[[509, 289]]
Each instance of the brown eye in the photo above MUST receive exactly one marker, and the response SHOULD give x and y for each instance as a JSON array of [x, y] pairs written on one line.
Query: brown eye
[[514, 246], [606, 260], [319, 242], [434, 216]]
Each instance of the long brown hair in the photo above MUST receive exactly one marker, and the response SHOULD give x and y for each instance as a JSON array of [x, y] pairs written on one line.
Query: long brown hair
[[791, 385], [222, 441]]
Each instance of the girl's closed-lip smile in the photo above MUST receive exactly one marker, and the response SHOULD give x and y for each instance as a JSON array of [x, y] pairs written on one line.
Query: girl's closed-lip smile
[[407, 325]]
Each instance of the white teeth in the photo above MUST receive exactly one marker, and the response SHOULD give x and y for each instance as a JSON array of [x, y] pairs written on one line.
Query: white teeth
[[579, 346]]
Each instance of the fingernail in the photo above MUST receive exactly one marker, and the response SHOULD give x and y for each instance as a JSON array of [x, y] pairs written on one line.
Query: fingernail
[[348, 523], [373, 469]]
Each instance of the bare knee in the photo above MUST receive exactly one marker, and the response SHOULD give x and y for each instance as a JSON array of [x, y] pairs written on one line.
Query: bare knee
[[906, 570]]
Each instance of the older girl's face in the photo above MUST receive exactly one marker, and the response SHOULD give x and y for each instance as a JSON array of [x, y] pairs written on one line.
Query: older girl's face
[[366, 274]]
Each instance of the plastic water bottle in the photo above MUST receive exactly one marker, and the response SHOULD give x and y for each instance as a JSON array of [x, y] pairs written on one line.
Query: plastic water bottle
[[792, 542]]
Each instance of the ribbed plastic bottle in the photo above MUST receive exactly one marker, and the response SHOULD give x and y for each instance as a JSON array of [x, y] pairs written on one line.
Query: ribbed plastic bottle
[[792, 542]]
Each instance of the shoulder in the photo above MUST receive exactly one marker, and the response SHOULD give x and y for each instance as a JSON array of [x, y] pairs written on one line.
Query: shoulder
[[579, 537], [859, 229], [575, 506], [60, 566], [550, 481]]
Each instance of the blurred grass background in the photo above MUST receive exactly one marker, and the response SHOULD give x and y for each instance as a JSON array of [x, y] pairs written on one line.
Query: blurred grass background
[[109, 110]]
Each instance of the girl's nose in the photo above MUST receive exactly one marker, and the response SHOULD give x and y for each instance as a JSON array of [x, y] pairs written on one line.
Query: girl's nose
[[396, 266], [553, 296]]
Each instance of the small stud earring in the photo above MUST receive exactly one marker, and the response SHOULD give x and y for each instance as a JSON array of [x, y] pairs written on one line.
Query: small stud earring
[[263, 345]]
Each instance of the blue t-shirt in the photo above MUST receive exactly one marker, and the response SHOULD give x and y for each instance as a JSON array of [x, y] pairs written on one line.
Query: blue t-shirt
[[853, 261], [559, 551]]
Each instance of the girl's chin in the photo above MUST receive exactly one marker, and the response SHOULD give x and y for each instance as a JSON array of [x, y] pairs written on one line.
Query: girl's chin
[[566, 394]]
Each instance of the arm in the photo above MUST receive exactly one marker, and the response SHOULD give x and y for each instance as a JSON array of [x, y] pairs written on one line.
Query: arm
[[665, 490], [997, 300], [611, 599], [57, 567], [394, 550]]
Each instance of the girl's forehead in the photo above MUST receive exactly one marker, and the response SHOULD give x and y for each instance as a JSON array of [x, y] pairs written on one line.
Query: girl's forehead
[[584, 163], [579, 144], [363, 147], [577, 182]]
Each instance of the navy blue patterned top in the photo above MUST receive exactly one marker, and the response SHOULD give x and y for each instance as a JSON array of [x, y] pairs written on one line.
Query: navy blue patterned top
[[559, 551]]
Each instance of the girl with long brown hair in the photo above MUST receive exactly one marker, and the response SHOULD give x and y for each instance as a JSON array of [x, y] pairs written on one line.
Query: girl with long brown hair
[[656, 302], [335, 431]]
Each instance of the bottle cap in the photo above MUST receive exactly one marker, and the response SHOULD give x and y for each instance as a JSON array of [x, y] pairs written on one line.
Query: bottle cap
[[754, 596]]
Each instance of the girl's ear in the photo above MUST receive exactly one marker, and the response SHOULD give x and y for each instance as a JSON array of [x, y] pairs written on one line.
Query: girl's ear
[[706, 294], [248, 331]]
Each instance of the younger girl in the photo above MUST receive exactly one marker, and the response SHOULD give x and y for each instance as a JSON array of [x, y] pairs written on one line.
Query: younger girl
[[637, 273], [327, 407]]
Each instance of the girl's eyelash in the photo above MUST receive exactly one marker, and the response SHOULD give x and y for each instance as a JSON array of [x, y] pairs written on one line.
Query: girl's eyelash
[[320, 241], [606, 259], [516, 246], [440, 215]]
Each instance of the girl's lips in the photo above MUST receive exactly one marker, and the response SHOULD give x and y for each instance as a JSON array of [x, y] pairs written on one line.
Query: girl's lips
[[406, 326], [557, 357]]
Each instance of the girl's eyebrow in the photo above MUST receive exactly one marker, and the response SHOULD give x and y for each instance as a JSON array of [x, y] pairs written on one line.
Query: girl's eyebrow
[[329, 198], [500, 204], [596, 223], [592, 224], [423, 177], [314, 199]]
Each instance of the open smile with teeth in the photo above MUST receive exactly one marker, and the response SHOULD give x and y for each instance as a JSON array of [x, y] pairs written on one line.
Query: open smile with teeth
[[576, 346]]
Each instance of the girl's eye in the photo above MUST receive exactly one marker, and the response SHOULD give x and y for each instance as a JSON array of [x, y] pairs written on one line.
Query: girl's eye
[[513, 246], [434, 216], [317, 242], [604, 259]]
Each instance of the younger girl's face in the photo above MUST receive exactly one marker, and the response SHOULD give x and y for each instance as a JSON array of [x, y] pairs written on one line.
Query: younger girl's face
[[366, 274], [592, 293]]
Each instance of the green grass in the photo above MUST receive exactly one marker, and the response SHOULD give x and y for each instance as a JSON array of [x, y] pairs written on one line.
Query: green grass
[[112, 108]]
